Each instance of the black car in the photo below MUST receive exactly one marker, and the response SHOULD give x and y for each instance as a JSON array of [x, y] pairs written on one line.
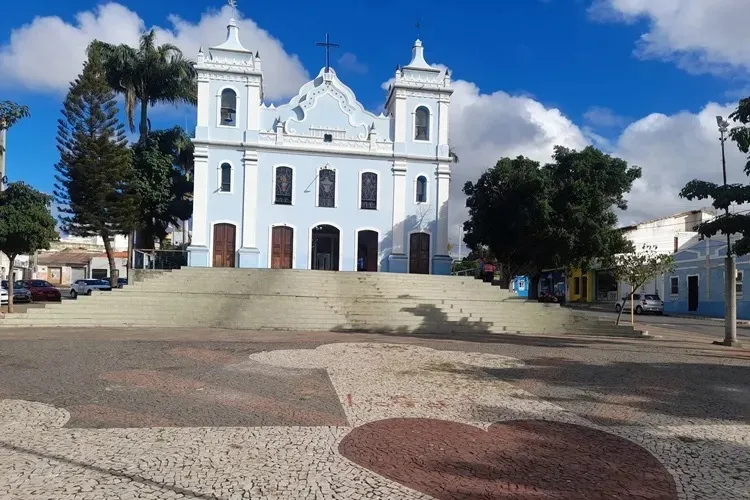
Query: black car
[[121, 282], [21, 294]]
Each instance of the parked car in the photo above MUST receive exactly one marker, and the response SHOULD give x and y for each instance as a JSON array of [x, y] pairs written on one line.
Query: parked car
[[3, 296], [21, 294], [85, 287], [644, 303], [121, 282], [42, 290]]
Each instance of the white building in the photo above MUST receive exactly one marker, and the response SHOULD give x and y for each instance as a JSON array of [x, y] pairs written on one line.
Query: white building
[[668, 235], [319, 182]]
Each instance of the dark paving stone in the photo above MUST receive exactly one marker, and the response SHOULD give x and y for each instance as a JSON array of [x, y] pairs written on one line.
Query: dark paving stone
[[155, 384], [519, 460]]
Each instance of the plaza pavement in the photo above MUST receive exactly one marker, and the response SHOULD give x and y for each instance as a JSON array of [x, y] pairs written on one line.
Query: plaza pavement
[[209, 414]]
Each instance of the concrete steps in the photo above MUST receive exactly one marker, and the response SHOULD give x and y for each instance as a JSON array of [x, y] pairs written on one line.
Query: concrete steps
[[286, 300]]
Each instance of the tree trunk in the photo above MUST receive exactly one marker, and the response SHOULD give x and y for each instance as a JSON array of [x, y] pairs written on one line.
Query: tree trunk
[[113, 272], [10, 282], [619, 314], [534, 286], [144, 121], [129, 266]]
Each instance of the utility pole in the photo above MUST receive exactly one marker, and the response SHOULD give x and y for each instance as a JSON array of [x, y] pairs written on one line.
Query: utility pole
[[460, 240], [3, 132], [730, 269]]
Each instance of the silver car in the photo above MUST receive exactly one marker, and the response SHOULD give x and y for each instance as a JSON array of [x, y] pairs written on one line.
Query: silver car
[[85, 287], [643, 303]]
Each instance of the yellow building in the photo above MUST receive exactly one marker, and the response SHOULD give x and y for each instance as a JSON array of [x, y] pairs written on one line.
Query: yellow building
[[581, 286]]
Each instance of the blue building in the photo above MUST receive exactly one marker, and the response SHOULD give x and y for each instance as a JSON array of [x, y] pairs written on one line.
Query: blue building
[[319, 182], [696, 286]]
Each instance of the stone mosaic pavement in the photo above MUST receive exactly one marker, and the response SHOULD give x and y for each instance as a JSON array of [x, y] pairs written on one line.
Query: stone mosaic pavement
[[372, 417]]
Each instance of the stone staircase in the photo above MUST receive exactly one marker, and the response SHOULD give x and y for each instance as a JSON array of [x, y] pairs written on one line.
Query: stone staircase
[[264, 299]]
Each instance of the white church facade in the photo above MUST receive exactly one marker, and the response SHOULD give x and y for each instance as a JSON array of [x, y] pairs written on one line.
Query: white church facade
[[319, 182]]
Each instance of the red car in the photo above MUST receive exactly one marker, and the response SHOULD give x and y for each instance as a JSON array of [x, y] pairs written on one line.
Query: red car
[[42, 290]]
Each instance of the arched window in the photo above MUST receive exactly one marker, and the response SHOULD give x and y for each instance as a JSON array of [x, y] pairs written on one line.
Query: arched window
[[421, 196], [327, 188], [226, 178], [422, 124], [228, 108], [369, 191], [283, 195]]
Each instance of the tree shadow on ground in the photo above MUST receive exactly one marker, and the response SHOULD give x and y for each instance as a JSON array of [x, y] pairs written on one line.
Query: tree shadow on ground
[[125, 476], [437, 326], [627, 392]]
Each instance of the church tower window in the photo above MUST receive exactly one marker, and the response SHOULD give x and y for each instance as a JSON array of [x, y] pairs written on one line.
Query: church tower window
[[327, 188], [421, 195], [369, 191], [228, 108], [226, 178], [422, 124], [283, 195]]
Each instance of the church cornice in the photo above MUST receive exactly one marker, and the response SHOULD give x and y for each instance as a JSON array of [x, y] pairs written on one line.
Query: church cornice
[[305, 147]]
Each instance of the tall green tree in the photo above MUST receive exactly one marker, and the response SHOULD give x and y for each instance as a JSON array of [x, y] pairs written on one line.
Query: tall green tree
[[147, 75], [508, 210], [26, 225], [163, 164], [10, 113], [723, 197], [557, 216], [95, 177]]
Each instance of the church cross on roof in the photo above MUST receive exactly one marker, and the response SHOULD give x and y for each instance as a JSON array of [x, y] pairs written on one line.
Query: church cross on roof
[[328, 45]]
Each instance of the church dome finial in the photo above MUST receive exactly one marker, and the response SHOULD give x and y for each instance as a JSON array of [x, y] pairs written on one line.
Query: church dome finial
[[417, 56], [233, 38]]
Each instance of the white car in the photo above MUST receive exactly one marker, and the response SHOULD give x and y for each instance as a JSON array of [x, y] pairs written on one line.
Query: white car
[[85, 287], [3, 296]]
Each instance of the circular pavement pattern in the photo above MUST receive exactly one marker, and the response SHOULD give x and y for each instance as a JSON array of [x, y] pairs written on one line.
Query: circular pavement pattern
[[519, 460]]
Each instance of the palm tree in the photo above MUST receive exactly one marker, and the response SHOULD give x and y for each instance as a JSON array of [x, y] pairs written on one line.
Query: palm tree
[[147, 75]]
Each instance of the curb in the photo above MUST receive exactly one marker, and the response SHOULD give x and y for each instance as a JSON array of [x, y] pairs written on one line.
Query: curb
[[665, 315]]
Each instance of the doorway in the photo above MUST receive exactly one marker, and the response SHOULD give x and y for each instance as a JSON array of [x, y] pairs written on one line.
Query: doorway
[[224, 245], [419, 253], [367, 251], [692, 293], [585, 288], [282, 241], [324, 251]]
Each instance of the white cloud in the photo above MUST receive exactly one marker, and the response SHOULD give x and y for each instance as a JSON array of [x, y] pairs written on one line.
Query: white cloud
[[349, 62], [487, 127], [671, 150], [599, 116], [699, 35], [46, 54]]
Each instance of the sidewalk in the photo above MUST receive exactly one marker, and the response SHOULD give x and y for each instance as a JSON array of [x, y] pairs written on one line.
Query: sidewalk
[[610, 308]]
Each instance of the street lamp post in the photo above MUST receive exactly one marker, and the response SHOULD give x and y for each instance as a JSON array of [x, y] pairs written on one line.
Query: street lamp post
[[730, 270]]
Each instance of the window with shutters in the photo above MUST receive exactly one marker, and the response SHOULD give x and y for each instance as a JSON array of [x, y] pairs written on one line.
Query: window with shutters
[[674, 285], [226, 178], [284, 186], [327, 188], [421, 194], [369, 191]]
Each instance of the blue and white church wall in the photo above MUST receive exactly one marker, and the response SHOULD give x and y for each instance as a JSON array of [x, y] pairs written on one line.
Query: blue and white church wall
[[700, 268], [319, 160]]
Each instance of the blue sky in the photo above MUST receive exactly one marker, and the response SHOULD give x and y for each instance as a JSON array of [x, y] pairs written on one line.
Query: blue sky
[[532, 73]]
